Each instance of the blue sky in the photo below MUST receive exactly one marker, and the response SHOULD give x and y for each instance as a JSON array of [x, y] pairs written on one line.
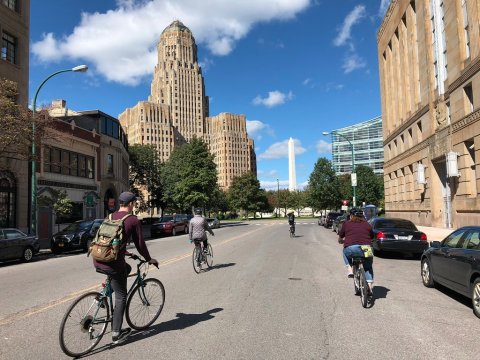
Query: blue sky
[[294, 68]]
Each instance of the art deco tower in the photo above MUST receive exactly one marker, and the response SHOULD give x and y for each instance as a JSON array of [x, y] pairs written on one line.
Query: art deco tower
[[178, 81], [177, 110]]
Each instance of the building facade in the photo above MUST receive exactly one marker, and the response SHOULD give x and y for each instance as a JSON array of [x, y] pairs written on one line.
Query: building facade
[[14, 60], [429, 64], [178, 110], [367, 141]]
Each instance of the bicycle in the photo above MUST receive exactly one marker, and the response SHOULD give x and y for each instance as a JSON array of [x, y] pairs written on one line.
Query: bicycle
[[87, 318], [292, 230], [360, 282], [200, 257]]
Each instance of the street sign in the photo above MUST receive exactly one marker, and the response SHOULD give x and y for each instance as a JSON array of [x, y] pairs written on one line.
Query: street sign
[[344, 207], [345, 202], [354, 179]]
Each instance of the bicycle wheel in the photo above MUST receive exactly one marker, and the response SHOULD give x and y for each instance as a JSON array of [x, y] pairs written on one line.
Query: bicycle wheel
[[197, 259], [363, 288], [84, 324], [145, 304], [209, 256]]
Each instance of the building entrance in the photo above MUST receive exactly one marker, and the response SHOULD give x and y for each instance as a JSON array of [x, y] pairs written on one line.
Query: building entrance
[[441, 170]]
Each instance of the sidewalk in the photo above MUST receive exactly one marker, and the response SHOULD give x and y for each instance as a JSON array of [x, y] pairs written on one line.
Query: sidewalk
[[435, 233]]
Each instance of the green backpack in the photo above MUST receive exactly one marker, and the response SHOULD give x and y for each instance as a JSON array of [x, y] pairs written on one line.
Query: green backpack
[[110, 239]]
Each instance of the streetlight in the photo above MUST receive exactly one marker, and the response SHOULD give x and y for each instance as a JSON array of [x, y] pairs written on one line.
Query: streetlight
[[354, 175], [33, 210]]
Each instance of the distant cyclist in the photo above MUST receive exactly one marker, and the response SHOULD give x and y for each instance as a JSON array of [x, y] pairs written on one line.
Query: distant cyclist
[[197, 229], [291, 221], [354, 233]]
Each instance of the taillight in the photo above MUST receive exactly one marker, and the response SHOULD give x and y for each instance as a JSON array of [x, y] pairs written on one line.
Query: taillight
[[380, 235], [423, 237]]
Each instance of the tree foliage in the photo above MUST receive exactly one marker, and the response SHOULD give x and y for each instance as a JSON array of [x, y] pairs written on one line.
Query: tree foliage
[[58, 201], [323, 186], [145, 174], [190, 176], [16, 124], [245, 193], [369, 186]]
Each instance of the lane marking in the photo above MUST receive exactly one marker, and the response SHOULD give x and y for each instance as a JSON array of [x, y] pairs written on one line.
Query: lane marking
[[41, 308]]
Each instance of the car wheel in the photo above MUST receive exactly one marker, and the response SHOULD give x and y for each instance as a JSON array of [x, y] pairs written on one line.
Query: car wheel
[[476, 297], [174, 232], [27, 254], [55, 250], [426, 272]]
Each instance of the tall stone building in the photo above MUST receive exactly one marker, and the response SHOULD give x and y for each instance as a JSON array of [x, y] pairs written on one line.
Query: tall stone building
[[14, 60], [429, 63], [177, 110]]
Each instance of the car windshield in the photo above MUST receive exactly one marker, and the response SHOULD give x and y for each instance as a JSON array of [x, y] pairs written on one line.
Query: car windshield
[[79, 226], [395, 224], [210, 219], [166, 218]]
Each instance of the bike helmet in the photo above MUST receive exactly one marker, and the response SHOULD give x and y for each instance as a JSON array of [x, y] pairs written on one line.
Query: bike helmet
[[356, 212], [198, 211]]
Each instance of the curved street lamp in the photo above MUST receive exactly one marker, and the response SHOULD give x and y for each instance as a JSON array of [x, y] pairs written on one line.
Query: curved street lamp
[[33, 210], [353, 162]]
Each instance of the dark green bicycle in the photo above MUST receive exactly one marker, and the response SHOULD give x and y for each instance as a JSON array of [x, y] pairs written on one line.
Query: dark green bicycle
[[86, 320]]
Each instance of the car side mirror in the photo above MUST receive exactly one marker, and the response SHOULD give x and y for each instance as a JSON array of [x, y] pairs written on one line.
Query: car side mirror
[[436, 244]]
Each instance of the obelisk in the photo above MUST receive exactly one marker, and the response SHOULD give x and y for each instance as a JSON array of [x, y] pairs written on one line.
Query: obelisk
[[292, 177]]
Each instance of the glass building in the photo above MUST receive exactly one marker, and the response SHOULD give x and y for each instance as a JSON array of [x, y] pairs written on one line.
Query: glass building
[[367, 141]]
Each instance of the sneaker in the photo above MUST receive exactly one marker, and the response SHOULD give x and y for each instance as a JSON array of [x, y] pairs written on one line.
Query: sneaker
[[120, 337]]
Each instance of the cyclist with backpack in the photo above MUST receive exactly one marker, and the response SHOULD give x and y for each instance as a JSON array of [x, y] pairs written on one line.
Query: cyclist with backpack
[[291, 221], [108, 251]]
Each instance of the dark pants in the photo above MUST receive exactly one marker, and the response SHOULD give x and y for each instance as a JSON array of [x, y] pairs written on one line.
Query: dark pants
[[197, 242], [118, 283]]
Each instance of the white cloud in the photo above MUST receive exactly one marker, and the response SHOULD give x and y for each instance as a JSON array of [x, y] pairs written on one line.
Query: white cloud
[[352, 18], [353, 62], [120, 44], [307, 81], [333, 86], [273, 185], [255, 128], [269, 173], [383, 8], [280, 150], [274, 98], [323, 147]]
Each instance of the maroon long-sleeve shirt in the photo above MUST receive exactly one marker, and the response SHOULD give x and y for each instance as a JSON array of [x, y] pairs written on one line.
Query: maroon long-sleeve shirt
[[356, 233], [133, 231]]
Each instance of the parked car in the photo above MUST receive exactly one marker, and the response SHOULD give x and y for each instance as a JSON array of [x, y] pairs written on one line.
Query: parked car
[[170, 225], [76, 236], [214, 223], [149, 220], [14, 244], [321, 220], [330, 217], [338, 222], [397, 235], [455, 263]]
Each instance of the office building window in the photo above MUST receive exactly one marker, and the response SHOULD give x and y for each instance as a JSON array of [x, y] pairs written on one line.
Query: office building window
[[469, 97], [66, 162], [9, 45], [110, 163], [11, 4], [466, 29]]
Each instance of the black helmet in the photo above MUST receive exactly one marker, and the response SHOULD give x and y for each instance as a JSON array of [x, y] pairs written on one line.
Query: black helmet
[[356, 212], [198, 211]]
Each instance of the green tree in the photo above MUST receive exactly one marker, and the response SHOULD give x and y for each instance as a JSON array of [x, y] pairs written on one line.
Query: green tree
[[218, 201], [261, 203], [59, 202], [284, 200], [145, 174], [323, 186], [369, 188], [298, 200], [244, 193], [190, 176]]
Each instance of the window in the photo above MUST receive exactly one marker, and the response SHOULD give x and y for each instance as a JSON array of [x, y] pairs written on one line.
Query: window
[[453, 240], [11, 4], [65, 162], [472, 241], [466, 29], [110, 163], [9, 45], [469, 97]]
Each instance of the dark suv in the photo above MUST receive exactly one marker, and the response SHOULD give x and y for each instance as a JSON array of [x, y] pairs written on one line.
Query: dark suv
[[329, 219], [170, 225], [75, 236]]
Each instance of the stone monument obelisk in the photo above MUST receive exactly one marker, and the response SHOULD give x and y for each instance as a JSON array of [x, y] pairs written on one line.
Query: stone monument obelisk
[[292, 176]]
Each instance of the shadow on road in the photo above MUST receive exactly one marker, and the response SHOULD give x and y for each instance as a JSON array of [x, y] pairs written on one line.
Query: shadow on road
[[220, 266], [455, 296], [380, 292], [396, 256]]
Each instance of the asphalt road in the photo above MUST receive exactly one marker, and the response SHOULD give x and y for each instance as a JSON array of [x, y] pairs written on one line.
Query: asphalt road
[[267, 297]]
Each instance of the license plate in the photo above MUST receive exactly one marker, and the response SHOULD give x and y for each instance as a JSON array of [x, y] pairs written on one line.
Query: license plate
[[60, 244], [403, 238]]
